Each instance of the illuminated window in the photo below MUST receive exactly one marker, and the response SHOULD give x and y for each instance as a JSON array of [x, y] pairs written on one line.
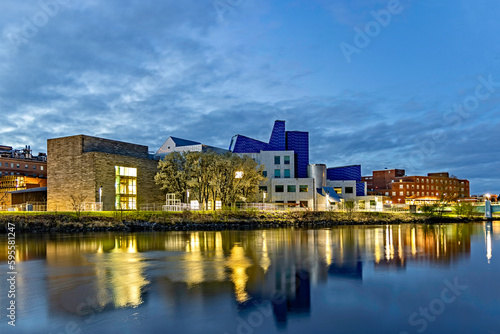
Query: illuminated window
[[41, 167], [400, 193], [125, 188]]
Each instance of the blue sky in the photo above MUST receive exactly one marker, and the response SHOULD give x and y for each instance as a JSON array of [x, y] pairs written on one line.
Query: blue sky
[[140, 71]]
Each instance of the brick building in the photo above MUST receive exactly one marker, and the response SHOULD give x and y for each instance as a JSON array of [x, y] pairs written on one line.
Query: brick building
[[416, 189], [19, 171], [22, 162], [118, 174]]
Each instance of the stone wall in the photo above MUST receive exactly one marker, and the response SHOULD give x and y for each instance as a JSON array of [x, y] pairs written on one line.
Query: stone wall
[[76, 169]]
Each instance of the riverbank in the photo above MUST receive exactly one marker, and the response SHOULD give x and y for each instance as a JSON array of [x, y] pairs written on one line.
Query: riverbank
[[206, 221]]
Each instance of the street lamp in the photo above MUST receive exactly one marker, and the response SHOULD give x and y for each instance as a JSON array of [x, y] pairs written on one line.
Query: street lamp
[[100, 197]]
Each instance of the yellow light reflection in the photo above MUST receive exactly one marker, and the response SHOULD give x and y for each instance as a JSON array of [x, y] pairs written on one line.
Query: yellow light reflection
[[220, 273], [413, 242], [378, 254], [328, 249], [193, 260], [265, 262], [238, 263]]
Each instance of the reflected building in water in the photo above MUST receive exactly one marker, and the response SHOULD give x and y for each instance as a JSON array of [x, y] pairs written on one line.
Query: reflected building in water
[[279, 267]]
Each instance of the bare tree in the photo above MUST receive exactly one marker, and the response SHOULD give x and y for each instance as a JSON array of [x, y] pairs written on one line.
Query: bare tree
[[77, 202]]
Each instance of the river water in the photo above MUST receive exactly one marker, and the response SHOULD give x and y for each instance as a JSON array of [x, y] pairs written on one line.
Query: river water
[[348, 279]]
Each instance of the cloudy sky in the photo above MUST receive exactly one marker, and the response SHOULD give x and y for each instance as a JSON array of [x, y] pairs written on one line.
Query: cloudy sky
[[413, 85]]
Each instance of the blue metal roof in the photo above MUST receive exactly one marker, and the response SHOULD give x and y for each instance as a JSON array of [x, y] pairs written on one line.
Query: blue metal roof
[[184, 142], [330, 192]]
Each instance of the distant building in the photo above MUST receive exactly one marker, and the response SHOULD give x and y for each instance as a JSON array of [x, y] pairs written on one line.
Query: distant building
[[22, 162], [416, 189], [347, 180], [285, 159], [20, 170], [174, 144], [94, 170], [291, 180]]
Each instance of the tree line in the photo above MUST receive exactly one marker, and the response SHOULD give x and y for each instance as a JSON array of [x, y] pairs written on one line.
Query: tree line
[[209, 177]]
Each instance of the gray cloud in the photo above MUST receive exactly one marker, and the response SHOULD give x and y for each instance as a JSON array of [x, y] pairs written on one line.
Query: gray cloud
[[140, 71]]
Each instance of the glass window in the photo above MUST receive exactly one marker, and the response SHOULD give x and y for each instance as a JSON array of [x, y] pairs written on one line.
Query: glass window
[[400, 193], [291, 189], [286, 159], [400, 186], [17, 165], [264, 173], [349, 190], [277, 160], [277, 173], [393, 193], [125, 188], [26, 166], [34, 166], [303, 189], [263, 188], [287, 173], [338, 190], [279, 188], [41, 167]]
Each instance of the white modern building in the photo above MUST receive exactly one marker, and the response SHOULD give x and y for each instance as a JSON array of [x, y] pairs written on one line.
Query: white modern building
[[174, 144]]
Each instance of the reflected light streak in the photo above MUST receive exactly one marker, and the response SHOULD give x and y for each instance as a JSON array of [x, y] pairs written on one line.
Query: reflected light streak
[[328, 250], [238, 263], [265, 262], [413, 242], [488, 245], [377, 246]]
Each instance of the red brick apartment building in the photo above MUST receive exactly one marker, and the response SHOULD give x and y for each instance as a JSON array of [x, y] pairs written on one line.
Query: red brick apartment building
[[22, 162], [401, 189]]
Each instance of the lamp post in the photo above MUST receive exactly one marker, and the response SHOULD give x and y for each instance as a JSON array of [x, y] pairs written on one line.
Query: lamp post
[[263, 197], [100, 197]]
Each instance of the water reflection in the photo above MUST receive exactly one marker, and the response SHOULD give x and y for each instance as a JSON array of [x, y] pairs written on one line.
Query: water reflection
[[488, 228], [106, 272]]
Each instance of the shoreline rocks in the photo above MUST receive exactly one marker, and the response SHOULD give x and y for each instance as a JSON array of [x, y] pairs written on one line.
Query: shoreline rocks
[[67, 223]]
